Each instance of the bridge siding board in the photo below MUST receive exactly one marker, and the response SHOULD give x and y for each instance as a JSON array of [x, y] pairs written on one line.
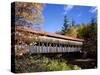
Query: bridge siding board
[[43, 49]]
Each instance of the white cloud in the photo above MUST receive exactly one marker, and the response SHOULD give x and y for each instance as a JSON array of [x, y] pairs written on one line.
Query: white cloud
[[93, 10], [67, 8]]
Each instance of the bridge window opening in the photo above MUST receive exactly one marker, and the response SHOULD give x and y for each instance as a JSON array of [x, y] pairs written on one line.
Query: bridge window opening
[[52, 44], [45, 43], [75, 46], [40, 43], [57, 45], [37, 43], [62, 45], [68, 45]]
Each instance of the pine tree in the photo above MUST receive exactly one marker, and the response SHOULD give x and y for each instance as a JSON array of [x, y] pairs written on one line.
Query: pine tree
[[65, 26], [88, 32], [73, 22]]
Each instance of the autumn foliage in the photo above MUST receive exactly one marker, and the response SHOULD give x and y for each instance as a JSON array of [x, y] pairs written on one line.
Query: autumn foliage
[[28, 13]]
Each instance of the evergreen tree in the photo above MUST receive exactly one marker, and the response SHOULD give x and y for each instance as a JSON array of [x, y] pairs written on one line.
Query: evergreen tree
[[93, 39], [73, 22], [88, 32], [65, 27]]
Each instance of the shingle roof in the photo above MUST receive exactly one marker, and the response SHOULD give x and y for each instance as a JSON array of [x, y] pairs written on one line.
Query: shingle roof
[[48, 34]]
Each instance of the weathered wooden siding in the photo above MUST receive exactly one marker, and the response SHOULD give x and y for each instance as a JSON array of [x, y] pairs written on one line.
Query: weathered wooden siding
[[43, 49]]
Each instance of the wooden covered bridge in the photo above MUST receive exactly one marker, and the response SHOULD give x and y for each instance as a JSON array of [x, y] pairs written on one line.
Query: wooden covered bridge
[[52, 42]]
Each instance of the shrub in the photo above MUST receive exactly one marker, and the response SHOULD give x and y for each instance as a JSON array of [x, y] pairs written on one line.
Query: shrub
[[40, 63]]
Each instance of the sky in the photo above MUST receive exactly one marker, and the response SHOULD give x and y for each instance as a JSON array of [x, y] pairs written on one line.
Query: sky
[[53, 15]]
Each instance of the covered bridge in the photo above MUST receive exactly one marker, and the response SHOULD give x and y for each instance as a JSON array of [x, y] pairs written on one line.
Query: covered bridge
[[52, 42]]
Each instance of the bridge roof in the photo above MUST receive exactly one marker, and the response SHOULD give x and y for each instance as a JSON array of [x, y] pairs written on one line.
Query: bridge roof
[[48, 34]]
